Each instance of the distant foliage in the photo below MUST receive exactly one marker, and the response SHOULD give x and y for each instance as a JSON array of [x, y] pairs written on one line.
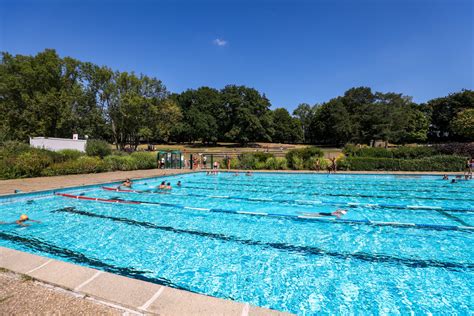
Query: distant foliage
[[81, 165], [98, 148], [70, 154], [299, 159], [433, 163], [405, 152], [145, 160], [460, 149]]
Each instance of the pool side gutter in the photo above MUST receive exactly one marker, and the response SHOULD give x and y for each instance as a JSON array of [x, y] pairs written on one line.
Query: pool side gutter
[[127, 293]]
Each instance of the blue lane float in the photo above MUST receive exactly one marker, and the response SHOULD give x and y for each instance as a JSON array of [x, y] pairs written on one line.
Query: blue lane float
[[307, 217]]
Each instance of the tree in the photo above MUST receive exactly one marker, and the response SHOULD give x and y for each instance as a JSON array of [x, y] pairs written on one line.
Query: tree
[[287, 129], [463, 124], [304, 112], [331, 123], [248, 117], [444, 110], [203, 113]]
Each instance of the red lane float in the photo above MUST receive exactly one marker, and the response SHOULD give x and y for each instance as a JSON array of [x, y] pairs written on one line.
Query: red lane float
[[79, 197], [120, 190]]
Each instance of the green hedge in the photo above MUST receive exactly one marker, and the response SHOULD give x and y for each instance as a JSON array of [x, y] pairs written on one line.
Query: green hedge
[[81, 165], [434, 163], [403, 152]]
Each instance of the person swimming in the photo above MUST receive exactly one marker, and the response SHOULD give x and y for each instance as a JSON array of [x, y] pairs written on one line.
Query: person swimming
[[168, 186], [445, 177], [337, 213], [23, 219], [453, 181], [127, 183], [162, 186], [178, 184], [248, 173]]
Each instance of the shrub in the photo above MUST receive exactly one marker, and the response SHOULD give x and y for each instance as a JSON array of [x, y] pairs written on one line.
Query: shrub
[[31, 163], [247, 161], [144, 160], [434, 163], [460, 149], [12, 148], [404, 152], [123, 163], [98, 148], [298, 157], [70, 154], [234, 163], [311, 163], [81, 165], [276, 163]]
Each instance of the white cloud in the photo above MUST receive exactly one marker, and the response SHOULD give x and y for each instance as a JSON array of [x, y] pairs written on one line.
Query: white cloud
[[220, 42]]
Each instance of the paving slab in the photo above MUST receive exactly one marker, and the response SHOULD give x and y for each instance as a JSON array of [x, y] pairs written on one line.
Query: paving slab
[[177, 302], [19, 261], [63, 274], [122, 290]]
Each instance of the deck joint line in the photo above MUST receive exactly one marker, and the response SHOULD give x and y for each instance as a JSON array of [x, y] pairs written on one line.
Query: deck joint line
[[77, 288], [245, 310], [152, 299], [39, 267]]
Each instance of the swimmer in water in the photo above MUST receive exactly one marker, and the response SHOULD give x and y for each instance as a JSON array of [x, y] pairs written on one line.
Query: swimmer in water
[[162, 185], [24, 218], [453, 181], [168, 186], [445, 177], [336, 213], [178, 184], [248, 173], [127, 183]]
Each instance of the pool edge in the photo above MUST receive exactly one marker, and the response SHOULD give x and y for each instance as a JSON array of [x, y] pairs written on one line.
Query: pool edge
[[140, 296]]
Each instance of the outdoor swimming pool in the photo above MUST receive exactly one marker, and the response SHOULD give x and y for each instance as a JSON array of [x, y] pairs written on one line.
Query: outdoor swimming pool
[[404, 246]]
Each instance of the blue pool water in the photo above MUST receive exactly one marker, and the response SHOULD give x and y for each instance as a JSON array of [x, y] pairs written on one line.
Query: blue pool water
[[406, 244]]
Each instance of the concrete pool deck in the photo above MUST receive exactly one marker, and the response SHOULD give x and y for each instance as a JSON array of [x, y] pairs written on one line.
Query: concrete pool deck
[[122, 293]]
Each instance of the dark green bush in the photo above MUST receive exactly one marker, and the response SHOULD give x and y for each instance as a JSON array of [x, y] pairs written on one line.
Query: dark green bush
[[460, 149], [32, 163], [403, 152], [70, 154], [144, 160], [81, 165], [300, 158], [123, 163], [434, 163], [99, 148], [276, 163]]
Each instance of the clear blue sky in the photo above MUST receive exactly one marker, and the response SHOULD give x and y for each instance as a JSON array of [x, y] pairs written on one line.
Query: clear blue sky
[[293, 51]]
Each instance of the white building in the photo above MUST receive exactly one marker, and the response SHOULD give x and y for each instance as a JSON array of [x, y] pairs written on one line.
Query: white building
[[56, 144]]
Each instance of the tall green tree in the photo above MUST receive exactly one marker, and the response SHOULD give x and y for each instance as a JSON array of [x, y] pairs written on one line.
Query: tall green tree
[[444, 110], [248, 117], [287, 129], [304, 113]]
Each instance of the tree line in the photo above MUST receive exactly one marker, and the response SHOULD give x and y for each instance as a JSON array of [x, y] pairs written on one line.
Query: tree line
[[46, 95]]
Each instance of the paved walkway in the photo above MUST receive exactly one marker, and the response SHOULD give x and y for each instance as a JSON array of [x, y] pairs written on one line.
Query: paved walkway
[[20, 295], [48, 183]]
